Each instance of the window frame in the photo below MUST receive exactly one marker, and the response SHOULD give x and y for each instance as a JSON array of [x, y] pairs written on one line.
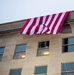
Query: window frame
[[20, 51], [64, 45], [43, 48], [40, 66], [15, 69], [71, 71], [1, 54]]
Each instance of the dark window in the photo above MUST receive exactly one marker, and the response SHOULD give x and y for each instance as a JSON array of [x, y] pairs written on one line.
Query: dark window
[[43, 48], [68, 69], [15, 72], [1, 53], [68, 45], [41, 70], [20, 51]]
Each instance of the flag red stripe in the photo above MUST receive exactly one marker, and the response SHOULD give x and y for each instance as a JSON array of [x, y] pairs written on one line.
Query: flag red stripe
[[46, 18], [25, 26], [41, 20], [61, 24], [33, 23], [50, 24], [46, 31], [37, 27], [51, 20], [36, 30], [55, 23], [40, 25]]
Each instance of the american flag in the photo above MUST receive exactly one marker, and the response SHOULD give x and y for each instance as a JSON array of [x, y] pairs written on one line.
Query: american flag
[[49, 24]]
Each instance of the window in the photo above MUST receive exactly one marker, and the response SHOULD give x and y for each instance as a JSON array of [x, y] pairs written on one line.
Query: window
[[68, 69], [20, 51], [15, 72], [68, 45], [43, 48], [1, 53], [42, 70]]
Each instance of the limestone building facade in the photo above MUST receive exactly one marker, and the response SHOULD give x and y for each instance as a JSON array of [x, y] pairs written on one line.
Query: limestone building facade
[[36, 54]]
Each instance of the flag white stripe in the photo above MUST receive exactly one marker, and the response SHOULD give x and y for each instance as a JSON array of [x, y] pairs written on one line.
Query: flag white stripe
[[48, 32], [40, 29], [44, 30], [34, 27], [57, 25], [29, 24], [48, 21], [44, 18], [53, 22]]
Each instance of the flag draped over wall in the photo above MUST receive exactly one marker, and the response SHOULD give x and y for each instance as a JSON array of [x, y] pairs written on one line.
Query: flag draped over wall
[[50, 24]]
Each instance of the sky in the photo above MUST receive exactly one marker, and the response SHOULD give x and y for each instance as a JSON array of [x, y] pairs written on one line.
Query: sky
[[15, 10]]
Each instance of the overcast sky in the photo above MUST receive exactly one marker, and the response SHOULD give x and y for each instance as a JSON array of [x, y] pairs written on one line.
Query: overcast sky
[[11, 10], [15, 10]]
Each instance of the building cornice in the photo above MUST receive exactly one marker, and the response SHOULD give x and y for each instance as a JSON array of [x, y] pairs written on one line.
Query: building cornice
[[13, 27]]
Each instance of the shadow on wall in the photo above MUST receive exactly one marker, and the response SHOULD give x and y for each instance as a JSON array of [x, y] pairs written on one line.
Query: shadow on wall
[[66, 29]]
